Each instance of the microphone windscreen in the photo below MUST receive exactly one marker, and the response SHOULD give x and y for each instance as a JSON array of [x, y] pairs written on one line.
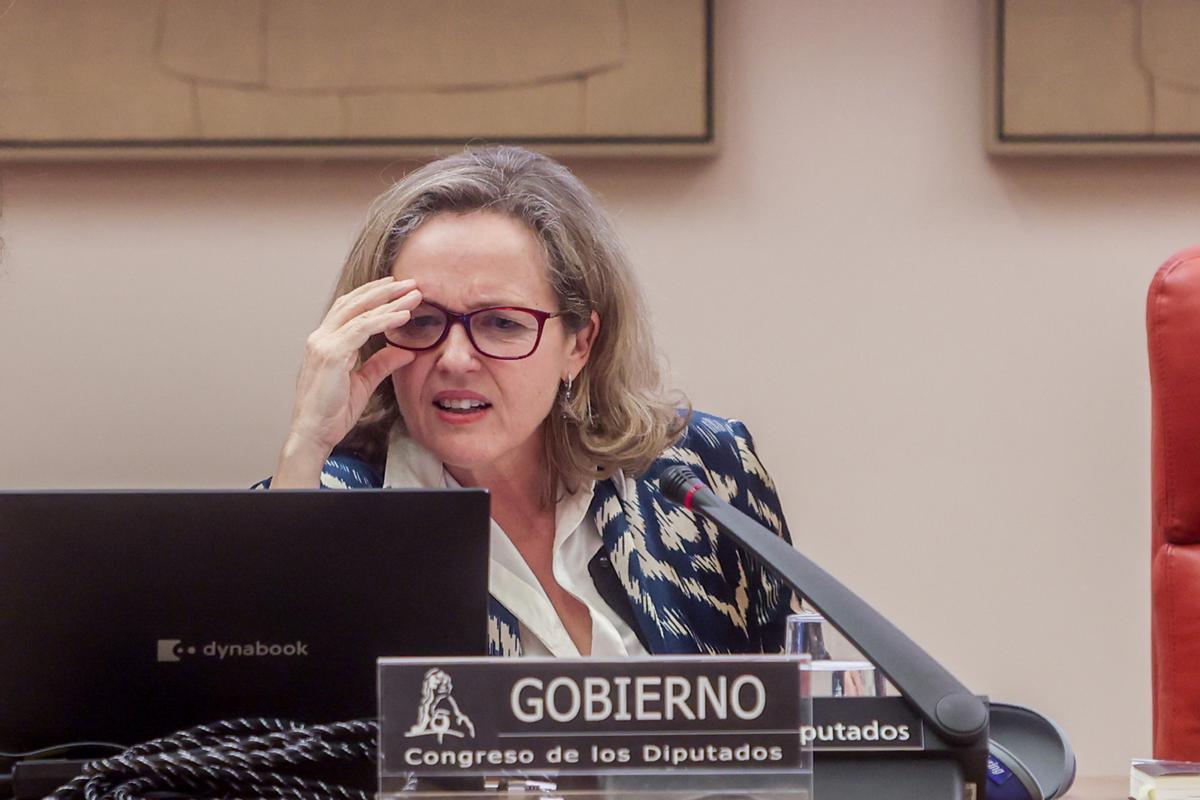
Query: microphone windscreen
[[675, 482]]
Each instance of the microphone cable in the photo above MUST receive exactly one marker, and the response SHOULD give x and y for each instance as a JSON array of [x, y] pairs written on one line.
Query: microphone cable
[[237, 758]]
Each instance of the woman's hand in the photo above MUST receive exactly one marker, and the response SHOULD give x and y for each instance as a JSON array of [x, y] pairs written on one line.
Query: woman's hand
[[333, 388]]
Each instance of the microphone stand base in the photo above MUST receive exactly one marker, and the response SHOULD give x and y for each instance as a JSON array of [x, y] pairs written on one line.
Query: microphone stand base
[[873, 778]]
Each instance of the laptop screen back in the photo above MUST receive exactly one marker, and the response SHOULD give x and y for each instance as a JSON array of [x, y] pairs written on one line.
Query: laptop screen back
[[126, 616]]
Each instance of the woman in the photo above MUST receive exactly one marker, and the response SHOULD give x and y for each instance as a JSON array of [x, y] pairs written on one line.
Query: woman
[[488, 332]]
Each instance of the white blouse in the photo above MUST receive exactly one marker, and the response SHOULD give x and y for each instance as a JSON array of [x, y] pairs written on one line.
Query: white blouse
[[512, 582]]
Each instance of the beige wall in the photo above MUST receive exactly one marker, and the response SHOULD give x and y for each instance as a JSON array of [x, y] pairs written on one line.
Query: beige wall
[[942, 356]]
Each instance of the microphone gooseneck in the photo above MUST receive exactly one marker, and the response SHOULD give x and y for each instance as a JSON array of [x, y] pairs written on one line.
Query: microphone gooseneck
[[951, 710]]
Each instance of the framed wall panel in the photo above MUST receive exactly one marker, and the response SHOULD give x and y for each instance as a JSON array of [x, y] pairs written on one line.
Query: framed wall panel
[[1107, 77], [353, 78]]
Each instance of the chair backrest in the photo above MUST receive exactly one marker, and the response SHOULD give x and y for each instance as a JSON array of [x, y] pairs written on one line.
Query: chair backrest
[[1173, 334]]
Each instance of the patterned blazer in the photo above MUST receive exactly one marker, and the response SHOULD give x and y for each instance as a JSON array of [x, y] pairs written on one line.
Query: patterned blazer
[[683, 587]]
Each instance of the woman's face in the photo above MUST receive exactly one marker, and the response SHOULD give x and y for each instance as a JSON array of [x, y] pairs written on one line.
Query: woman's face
[[464, 262]]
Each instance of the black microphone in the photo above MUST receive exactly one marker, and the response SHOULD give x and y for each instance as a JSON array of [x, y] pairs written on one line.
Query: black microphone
[[1025, 745]]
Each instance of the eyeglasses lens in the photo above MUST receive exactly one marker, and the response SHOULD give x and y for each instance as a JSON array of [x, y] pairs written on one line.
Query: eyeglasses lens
[[505, 332], [424, 327]]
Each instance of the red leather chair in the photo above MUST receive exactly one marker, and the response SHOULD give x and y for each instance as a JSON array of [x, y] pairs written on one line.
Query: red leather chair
[[1173, 332]]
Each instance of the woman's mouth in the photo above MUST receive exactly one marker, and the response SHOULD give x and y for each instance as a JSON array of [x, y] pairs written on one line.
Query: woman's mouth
[[461, 406]]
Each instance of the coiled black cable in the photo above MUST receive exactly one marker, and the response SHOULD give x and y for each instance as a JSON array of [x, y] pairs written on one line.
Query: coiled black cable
[[239, 758]]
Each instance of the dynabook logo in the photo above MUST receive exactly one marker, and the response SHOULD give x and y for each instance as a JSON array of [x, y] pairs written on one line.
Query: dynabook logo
[[176, 650]]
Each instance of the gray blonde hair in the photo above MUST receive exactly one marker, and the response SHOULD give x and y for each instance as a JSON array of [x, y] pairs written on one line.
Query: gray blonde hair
[[617, 418]]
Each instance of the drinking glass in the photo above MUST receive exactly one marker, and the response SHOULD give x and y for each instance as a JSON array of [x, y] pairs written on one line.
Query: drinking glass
[[837, 668]]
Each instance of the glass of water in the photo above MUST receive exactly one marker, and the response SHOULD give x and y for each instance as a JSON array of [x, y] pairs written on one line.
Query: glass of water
[[837, 668]]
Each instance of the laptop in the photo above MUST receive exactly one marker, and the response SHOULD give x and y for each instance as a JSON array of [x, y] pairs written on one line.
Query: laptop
[[126, 616]]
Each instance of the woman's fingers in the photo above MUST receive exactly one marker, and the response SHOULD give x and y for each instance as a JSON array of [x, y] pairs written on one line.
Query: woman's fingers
[[382, 364], [355, 333], [365, 298], [333, 388], [406, 302]]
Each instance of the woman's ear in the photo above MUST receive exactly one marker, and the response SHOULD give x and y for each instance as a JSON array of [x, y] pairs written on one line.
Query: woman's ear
[[581, 342]]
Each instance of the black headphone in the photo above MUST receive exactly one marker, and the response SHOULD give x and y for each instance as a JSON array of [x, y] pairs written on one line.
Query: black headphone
[[1029, 757]]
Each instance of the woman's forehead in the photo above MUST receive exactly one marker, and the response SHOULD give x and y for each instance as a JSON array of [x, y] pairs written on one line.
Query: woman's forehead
[[473, 260]]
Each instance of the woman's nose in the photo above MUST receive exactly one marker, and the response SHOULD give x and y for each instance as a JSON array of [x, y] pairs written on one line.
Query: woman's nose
[[457, 351]]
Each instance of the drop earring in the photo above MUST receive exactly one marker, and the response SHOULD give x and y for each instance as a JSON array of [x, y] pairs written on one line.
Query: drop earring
[[566, 401]]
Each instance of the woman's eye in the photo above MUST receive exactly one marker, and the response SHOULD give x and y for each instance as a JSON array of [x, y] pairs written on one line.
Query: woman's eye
[[426, 321], [493, 321]]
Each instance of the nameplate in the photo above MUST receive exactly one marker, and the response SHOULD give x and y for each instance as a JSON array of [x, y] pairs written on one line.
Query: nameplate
[[863, 723], [576, 716]]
